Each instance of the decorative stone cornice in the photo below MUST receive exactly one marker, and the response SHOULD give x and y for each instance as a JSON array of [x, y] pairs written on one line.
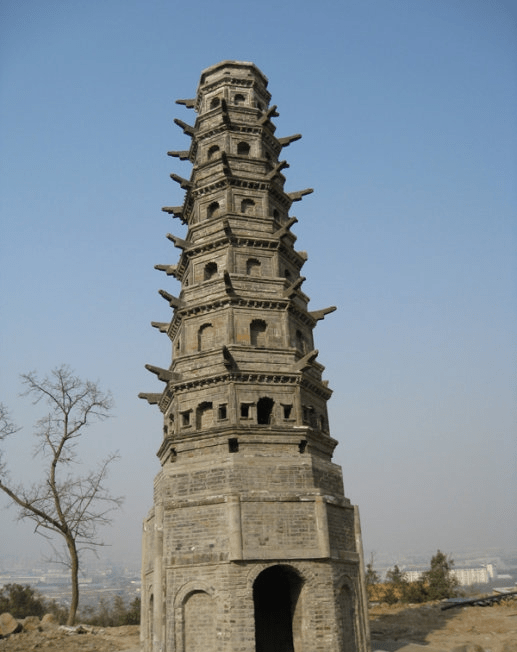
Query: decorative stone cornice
[[240, 377], [177, 387], [265, 242], [318, 388], [226, 301]]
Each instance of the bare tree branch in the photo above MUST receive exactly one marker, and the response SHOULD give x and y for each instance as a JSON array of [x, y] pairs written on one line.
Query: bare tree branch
[[73, 506], [7, 428]]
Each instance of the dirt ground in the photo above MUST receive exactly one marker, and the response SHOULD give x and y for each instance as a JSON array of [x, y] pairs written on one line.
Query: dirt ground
[[420, 628], [426, 628]]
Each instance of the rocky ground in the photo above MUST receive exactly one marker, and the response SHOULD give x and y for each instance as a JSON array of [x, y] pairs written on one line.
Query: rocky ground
[[49, 637], [419, 628]]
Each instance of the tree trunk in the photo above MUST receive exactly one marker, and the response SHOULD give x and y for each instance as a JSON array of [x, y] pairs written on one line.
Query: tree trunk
[[74, 573]]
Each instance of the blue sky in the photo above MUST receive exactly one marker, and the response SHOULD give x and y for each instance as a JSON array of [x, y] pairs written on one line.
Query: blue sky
[[407, 110]]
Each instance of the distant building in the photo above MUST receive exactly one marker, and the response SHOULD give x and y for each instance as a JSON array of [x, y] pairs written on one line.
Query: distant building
[[481, 575], [18, 578], [465, 576]]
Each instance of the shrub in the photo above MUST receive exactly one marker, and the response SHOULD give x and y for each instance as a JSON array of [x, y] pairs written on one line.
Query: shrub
[[371, 578], [112, 614], [439, 581], [22, 601]]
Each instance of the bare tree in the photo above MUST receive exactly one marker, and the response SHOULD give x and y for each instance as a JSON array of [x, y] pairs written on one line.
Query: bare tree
[[71, 505]]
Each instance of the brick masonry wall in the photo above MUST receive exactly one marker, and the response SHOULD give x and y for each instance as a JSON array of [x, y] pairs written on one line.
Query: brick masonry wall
[[212, 607], [279, 529]]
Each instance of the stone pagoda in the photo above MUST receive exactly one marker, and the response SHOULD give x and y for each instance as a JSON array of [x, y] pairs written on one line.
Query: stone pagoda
[[251, 545]]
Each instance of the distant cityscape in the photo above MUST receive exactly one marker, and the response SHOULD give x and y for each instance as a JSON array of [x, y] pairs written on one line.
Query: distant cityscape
[[493, 568], [97, 579], [101, 578]]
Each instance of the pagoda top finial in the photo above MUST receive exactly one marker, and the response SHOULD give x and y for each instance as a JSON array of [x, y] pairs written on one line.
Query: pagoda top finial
[[229, 67], [236, 83]]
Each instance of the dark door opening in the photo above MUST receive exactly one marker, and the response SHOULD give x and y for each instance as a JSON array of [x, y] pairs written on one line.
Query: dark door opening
[[264, 410], [275, 595]]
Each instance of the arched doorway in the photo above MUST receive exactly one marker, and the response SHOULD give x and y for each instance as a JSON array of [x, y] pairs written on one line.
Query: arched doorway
[[276, 593]]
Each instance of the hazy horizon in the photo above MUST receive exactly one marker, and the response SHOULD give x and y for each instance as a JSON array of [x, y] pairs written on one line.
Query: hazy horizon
[[407, 112]]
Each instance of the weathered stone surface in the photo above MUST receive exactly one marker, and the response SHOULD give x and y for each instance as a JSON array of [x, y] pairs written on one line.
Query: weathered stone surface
[[403, 646], [49, 620], [9, 625], [251, 538], [31, 624]]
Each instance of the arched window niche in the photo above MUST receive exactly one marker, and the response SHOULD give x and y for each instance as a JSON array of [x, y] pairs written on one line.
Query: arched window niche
[[199, 613], [346, 603], [248, 206], [205, 337], [253, 267], [258, 329], [243, 148], [212, 152], [301, 342], [215, 102], [212, 210], [210, 271], [204, 415], [239, 99]]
